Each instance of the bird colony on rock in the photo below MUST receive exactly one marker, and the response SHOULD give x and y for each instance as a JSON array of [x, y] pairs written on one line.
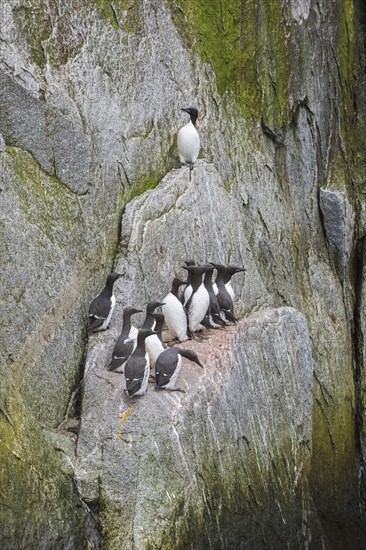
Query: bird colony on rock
[[202, 305]]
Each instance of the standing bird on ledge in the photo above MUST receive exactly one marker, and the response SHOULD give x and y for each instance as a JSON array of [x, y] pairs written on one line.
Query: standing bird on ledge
[[223, 296], [199, 301], [174, 312], [230, 271], [137, 367], [189, 140], [125, 345], [101, 308], [168, 365]]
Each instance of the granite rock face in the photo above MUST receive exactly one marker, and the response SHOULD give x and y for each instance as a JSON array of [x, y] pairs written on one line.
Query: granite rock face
[[180, 219], [222, 466], [90, 99]]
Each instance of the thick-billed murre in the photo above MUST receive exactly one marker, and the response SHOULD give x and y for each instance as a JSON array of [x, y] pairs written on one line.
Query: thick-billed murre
[[174, 312], [125, 345], [212, 318], [137, 367], [168, 365], [199, 301], [154, 344], [229, 272], [223, 297], [101, 308], [188, 139]]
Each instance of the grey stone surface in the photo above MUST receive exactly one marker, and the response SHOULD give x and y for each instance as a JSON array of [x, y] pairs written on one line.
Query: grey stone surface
[[96, 90], [56, 140], [179, 220], [339, 222], [224, 465]]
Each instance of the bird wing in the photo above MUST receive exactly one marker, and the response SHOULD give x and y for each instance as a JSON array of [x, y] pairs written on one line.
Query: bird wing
[[122, 351], [164, 367], [134, 374], [224, 300], [99, 310]]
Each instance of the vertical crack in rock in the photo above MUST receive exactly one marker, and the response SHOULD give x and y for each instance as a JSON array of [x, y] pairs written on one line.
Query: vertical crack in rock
[[359, 364]]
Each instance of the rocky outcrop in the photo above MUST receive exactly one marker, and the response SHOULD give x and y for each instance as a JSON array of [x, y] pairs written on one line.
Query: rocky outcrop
[[224, 465], [89, 110], [185, 218]]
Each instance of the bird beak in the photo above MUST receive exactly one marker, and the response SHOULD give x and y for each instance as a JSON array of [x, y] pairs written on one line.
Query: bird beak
[[185, 110]]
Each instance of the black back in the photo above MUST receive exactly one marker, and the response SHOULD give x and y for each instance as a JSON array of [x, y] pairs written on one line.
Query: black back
[[122, 350], [136, 364], [165, 366], [223, 297], [149, 322]]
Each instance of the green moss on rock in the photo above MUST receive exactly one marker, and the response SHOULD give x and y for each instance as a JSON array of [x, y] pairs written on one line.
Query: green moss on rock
[[40, 508], [273, 65], [34, 23], [124, 15], [245, 44], [44, 200]]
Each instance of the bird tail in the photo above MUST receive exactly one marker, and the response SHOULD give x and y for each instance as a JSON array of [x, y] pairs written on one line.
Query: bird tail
[[229, 316], [116, 363]]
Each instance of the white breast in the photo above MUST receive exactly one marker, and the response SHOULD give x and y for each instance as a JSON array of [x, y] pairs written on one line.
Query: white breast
[[187, 293], [175, 317], [107, 321], [133, 334], [172, 381], [154, 347], [198, 307], [188, 143], [145, 380], [215, 289], [230, 290]]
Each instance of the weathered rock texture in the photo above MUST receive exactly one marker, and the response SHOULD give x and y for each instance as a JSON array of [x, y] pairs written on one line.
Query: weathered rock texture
[[225, 465], [89, 110]]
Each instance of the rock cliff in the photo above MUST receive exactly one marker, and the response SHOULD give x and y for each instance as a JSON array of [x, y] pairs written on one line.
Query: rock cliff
[[225, 465], [89, 111]]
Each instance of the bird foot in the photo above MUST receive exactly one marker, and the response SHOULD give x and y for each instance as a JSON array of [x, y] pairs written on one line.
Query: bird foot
[[198, 338], [177, 388]]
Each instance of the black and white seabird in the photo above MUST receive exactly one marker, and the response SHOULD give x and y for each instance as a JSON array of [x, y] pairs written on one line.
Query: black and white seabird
[[125, 344], [168, 365], [174, 313], [149, 322], [223, 297], [188, 288], [154, 344], [101, 308], [137, 367], [199, 301], [159, 323], [188, 139], [229, 272], [212, 318]]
